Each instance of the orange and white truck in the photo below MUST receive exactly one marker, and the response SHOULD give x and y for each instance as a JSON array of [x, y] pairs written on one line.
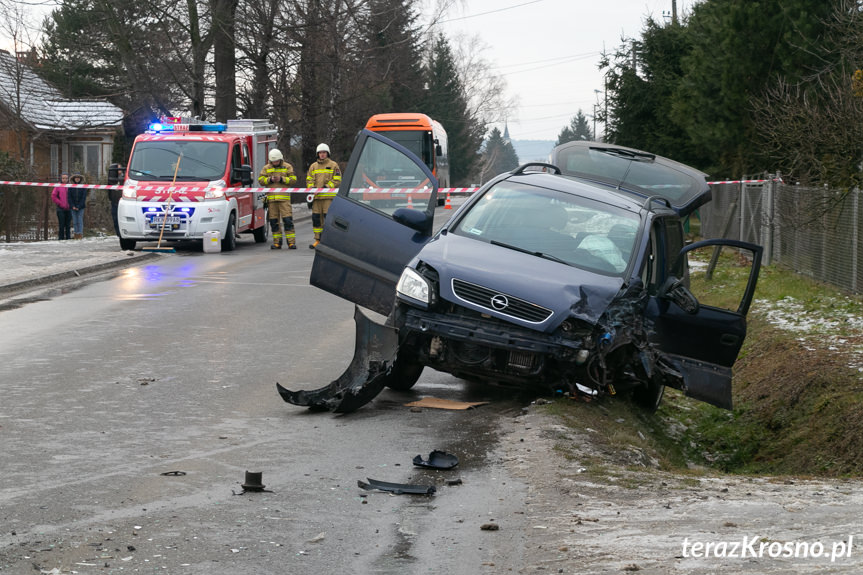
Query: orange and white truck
[[186, 178]]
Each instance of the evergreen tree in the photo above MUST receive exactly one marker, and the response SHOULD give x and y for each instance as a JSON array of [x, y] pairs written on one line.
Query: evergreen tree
[[578, 129], [498, 156], [393, 50], [739, 49], [446, 102], [639, 101]]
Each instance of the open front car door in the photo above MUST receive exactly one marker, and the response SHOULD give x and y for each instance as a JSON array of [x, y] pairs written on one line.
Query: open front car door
[[702, 329], [381, 218]]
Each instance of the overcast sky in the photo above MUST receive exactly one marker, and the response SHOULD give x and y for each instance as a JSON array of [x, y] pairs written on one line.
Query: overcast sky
[[548, 51]]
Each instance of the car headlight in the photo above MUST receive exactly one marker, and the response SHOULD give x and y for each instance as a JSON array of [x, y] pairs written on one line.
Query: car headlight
[[412, 285]]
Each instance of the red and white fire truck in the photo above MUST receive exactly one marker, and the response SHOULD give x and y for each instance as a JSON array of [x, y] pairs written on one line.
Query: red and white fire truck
[[187, 178]]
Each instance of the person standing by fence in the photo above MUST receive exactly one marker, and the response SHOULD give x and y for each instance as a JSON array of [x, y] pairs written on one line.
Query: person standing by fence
[[77, 203], [60, 197]]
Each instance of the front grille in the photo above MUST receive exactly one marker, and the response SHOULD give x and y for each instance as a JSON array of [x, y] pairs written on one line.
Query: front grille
[[515, 307], [521, 360]]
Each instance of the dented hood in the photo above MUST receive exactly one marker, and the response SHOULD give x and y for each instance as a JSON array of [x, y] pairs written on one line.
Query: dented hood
[[563, 289]]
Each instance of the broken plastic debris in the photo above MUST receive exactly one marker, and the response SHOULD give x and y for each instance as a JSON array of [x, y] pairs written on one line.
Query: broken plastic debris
[[397, 488], [437, 460], [253, 481], [586, 390]]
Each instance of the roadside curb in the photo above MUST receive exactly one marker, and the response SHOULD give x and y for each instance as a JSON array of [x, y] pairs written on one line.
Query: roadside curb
[[12, 288]]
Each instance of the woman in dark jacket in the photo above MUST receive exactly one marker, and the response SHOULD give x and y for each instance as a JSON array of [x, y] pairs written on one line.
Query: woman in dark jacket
[[77, 203]]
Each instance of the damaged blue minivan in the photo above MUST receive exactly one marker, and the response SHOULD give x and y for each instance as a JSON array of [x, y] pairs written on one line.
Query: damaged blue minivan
[[572, 276]]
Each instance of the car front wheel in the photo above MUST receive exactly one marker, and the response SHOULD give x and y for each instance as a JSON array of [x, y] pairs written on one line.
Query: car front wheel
[[404, 375], [229, 242], [405, 371], [649, 397], [261, 233]]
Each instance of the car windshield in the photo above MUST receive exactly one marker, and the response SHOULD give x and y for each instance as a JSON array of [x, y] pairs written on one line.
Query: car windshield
[[559, 226], [199, 161]]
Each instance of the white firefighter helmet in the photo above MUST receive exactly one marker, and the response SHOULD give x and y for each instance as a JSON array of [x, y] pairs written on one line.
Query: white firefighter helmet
[[275, 155], [323, 148]]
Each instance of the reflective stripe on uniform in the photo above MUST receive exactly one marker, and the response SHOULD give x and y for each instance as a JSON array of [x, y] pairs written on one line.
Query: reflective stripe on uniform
[[283, 170]]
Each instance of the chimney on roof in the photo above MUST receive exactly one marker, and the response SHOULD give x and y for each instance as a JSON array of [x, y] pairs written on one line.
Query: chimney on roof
[[29, 57]]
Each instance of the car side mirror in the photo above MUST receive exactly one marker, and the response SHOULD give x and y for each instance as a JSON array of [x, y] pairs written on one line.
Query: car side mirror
[[414, 219], [243, 174], [438, 150], [674, 290]]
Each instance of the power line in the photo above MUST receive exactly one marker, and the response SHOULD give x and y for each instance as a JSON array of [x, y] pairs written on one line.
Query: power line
[[489, 12], [550, 61], [570, 60]]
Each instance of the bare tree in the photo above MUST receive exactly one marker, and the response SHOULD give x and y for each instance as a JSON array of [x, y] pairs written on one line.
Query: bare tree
[[814, 128], [257, 42], [224, 57], [486, 90]]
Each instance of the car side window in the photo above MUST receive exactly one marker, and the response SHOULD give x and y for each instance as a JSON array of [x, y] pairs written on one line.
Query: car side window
[[385, 179], [236, 160]]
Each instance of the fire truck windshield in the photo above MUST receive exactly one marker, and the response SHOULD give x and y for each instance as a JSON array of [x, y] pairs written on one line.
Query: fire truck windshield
[[199, 160]]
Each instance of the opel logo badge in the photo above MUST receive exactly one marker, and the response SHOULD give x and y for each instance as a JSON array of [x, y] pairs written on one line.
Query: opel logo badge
[[499, 302]]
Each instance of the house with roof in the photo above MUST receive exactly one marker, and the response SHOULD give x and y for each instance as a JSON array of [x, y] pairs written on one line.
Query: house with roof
[[50, 133]]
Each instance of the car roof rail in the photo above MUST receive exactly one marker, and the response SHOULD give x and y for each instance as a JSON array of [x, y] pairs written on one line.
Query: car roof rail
[[651, 199], [522, 168]]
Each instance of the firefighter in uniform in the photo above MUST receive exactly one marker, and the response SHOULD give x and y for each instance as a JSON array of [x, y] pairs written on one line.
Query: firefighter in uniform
[[324, 173], [276, 176]]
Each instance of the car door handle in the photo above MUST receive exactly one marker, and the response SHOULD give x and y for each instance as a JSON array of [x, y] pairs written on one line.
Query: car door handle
[[729, 339], [341, 224]]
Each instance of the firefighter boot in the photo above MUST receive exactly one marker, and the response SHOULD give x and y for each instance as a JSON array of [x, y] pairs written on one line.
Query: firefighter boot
[[292, 244], [314, 245], [277, 244]]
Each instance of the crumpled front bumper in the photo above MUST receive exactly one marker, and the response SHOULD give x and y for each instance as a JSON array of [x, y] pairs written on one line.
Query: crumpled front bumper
[[489, 333]]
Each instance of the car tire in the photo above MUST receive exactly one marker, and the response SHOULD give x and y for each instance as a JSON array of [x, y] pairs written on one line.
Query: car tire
[[261, 234], [127, 245], [649, 397], [404, 374], [229, 242]]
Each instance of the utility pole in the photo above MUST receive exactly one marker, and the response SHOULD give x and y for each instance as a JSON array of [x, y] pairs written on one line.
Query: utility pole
[[673, 13]]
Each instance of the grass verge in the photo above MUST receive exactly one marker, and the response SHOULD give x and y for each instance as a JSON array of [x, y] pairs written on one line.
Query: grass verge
[[798, 394]]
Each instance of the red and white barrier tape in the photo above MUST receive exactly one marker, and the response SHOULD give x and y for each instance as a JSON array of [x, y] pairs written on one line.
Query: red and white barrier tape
[[744, 181], [179, 188], [168, 188]]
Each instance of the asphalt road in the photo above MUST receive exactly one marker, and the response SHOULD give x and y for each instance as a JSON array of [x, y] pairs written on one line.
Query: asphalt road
[[133, 405]]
